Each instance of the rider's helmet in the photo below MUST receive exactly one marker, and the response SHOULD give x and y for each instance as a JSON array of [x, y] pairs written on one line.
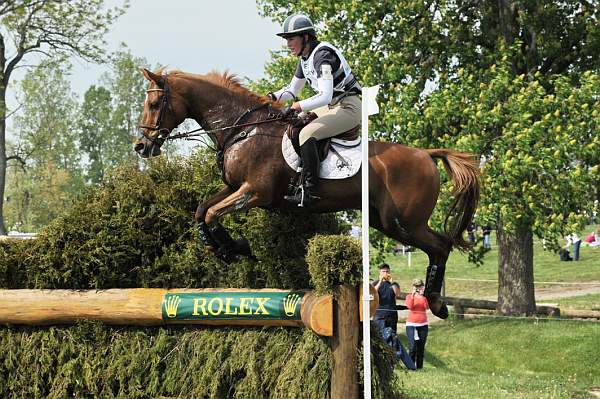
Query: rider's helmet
[[296, 25]]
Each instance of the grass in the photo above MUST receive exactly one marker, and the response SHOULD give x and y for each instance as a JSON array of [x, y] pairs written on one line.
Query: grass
[[547, 268], [591, 302], [507, 358]]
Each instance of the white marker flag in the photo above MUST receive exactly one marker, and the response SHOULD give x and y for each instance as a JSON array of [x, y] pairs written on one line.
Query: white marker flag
[[370, 99], [369, 107]]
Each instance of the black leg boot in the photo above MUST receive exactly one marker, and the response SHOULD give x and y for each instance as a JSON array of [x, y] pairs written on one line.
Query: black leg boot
[[310, 174], [225, 243], [228, 249], [433, 288], [206, 237]]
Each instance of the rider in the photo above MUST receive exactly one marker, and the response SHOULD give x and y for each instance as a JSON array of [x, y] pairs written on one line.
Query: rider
[[336, 103]]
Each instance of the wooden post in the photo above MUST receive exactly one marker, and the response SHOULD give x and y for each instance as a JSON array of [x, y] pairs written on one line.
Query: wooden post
[[344, 344], [146, 307]]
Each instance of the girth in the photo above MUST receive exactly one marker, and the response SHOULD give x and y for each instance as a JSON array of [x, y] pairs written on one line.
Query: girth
[[294, 128]]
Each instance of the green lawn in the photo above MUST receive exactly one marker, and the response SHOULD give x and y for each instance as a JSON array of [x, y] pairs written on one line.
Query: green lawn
[[500, 358], [547, 268], [591, 302]]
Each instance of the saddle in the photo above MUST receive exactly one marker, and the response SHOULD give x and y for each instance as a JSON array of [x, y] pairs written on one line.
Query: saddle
[[323, 146]]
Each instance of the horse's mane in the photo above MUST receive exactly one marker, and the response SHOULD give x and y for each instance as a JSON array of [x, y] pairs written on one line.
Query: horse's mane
[[226, 80]]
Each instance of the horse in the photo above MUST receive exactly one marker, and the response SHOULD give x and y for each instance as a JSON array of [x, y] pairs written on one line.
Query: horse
[[246, 131]]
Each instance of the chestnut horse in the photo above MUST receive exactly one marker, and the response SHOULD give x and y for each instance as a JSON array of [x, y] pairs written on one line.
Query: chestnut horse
[[404, 181]]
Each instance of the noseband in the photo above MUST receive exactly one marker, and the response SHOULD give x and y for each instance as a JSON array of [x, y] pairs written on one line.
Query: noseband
[[164, 105]]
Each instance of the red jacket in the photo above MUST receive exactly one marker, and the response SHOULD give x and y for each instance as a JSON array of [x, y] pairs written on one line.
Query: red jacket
[[418, 305]]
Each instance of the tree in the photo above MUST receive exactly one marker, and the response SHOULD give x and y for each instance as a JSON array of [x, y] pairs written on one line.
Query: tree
[[513, 81], [127, 88], [96, 132], [48, 174], [47, 28]]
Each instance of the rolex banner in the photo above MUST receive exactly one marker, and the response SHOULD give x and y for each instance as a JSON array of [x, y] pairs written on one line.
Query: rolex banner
[[258, 305], [158, 306]]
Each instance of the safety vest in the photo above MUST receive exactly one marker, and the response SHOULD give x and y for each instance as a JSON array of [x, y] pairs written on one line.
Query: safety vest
[[345, 84]]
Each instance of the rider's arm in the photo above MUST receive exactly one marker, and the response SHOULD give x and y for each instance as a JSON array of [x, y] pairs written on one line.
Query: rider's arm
[[291, 91], [325, 94]]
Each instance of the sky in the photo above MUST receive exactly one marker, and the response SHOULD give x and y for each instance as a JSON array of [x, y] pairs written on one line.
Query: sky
[[191, 35]]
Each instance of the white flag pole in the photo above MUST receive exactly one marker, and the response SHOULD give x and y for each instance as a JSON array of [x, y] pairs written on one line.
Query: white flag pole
[[369, 107]]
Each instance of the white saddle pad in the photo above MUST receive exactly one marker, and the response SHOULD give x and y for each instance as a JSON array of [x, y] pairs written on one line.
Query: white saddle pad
[[343, 166]]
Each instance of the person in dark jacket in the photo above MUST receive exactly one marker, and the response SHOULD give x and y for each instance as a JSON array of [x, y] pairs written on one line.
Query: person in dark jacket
[[388, 291]]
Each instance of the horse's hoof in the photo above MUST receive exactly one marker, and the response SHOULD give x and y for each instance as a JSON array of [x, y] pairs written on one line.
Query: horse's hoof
[[437, 306], [442, 312]]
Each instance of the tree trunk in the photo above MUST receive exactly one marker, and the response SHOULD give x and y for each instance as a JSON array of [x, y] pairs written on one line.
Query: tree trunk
[[516, 294], [2, 155]]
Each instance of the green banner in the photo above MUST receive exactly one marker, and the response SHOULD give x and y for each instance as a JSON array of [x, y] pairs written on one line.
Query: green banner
[[255, 305]]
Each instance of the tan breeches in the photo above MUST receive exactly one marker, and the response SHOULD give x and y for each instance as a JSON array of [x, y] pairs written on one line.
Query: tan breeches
[[333, 119]]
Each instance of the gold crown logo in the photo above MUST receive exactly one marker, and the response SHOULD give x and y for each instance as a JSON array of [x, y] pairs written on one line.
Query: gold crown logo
[[172, 305], [289, 304]]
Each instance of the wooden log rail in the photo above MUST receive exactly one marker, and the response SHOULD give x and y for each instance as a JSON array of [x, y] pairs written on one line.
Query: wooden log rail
[[154, 307], [460, 304]]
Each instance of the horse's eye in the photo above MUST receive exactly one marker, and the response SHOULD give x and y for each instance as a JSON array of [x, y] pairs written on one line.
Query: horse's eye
[[154, 104]]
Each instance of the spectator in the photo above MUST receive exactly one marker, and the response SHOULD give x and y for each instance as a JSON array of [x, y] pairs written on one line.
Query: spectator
[[564, 255], [574, 240], [388, 291], [486, 231], [471, 228], [417, 326], [595, 238]]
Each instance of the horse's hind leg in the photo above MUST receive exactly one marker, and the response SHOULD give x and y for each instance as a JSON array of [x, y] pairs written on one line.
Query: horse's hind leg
[[437, 247]]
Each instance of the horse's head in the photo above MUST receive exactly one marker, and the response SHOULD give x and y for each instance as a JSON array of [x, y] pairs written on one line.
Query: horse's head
[[163, 111]]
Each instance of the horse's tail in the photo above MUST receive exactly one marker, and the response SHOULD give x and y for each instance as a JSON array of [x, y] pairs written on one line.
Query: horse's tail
[[464, 171]]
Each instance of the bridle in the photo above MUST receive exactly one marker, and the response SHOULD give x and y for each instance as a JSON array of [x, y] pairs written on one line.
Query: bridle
[[163, 133]]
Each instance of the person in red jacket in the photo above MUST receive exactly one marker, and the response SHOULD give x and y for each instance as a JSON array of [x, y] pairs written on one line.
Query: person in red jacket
[[417, 326]]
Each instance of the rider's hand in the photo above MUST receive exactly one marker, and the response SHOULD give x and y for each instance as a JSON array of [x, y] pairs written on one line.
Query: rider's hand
[[287, 112]]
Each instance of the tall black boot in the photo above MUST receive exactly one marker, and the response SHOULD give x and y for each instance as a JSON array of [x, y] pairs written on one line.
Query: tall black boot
[[310, 174], [433, 288]]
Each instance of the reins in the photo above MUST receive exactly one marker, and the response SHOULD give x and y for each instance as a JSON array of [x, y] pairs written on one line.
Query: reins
[[201, 131]]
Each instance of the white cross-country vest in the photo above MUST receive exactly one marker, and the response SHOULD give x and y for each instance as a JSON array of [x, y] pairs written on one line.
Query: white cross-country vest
[[308, 68]]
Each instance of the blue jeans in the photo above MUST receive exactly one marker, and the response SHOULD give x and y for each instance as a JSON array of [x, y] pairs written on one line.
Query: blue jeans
[[416, 348], [486, 241], [576, 246]]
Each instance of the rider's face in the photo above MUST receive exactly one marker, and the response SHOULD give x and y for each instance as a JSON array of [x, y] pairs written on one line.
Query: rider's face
[[294, 43]]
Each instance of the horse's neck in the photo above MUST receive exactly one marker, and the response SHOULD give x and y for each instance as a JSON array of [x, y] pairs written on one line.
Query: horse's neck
[[215, 107]]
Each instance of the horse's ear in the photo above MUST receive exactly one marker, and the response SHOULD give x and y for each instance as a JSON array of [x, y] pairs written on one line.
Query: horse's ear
[[151, 76]]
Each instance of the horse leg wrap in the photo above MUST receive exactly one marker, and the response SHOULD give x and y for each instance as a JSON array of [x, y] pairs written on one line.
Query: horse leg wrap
[[433, 287], [224, 242], [205, 236], [228, 248]]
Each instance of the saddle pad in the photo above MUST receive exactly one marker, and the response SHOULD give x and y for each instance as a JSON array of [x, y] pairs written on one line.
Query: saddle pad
[[332, 167]]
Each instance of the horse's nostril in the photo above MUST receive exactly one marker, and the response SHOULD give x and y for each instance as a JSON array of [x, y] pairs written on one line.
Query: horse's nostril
[[139, 147]]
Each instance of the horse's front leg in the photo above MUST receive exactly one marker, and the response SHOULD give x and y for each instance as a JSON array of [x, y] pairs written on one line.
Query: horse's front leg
[[206, 237], [244, 198]]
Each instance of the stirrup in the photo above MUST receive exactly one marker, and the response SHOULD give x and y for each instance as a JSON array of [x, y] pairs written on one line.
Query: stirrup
[[301, 197]]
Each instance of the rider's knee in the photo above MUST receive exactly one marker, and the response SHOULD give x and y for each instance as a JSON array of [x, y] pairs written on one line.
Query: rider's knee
[[305, 134]]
